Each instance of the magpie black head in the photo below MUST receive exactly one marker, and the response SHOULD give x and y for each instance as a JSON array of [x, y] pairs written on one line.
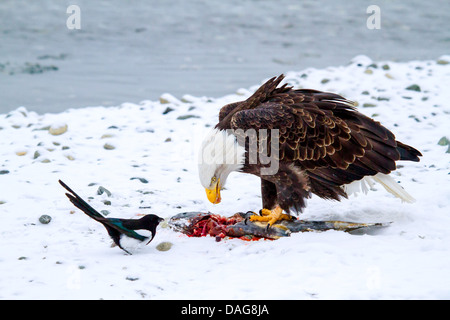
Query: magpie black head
[[150, 222]]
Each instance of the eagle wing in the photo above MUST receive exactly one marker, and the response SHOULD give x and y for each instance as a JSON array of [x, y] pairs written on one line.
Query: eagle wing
[[318, 130], [259, 96], [323, 134]]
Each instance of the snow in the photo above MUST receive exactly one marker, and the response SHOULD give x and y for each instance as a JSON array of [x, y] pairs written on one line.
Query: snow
[[71, 258]]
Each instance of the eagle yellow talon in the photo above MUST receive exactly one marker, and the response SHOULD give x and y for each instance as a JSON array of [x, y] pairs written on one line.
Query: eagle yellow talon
[[265, 212], [271, 216]]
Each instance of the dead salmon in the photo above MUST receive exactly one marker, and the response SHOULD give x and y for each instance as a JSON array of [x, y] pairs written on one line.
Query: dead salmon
[[199, 224]]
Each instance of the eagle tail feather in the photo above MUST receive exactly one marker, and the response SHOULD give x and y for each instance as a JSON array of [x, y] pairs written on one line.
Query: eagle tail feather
[[393, 187], [385, 180]]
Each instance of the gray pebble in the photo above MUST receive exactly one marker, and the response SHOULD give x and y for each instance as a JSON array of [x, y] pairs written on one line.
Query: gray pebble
[[413, 87], [164, 246], [108, 146], [187, 116], [45, 219], [143, 180], [443, 141], [168, 109], [132, 278], [102, 190]]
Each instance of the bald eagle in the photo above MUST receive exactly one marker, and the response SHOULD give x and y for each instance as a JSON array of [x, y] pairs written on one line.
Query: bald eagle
[[323, 146]]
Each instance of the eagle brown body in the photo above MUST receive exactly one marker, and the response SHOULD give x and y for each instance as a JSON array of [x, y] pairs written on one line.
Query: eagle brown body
[[324, 143]]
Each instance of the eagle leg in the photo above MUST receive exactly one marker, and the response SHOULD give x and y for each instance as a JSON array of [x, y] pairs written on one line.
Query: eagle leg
[[271, 216]]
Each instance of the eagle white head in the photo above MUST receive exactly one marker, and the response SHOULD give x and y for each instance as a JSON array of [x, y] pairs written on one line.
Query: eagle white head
[[220, 154]]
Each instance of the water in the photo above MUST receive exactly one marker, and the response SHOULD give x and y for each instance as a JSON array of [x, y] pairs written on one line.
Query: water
[[129, 51]]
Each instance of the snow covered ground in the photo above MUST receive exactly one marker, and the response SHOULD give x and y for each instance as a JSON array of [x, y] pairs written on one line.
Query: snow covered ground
[[157, 142]]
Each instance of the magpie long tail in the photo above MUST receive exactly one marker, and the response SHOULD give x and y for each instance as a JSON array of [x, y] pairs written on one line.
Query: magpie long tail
[[81, 204]]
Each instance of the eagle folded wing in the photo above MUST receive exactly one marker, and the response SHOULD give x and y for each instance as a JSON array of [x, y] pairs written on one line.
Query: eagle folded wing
[[307, 134], [324, 135]]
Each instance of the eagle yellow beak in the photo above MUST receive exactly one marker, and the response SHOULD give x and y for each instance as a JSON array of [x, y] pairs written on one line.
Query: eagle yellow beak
[[214, 193]]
